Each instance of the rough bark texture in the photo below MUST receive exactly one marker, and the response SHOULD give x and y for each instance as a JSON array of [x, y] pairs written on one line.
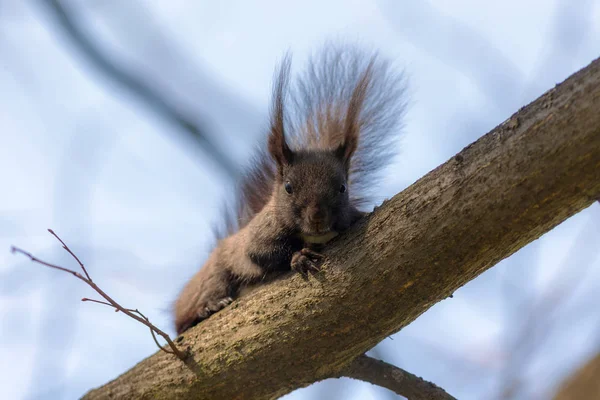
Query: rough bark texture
[[498, 194]]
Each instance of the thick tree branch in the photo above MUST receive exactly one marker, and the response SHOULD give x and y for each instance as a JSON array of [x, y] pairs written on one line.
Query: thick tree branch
[[128, 80], [505, 190], [396, 379]]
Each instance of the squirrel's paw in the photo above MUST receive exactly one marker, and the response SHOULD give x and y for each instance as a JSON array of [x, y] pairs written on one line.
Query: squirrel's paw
[[213, 306], [305, 261]]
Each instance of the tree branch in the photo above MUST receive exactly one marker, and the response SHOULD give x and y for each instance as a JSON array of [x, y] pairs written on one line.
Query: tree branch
[[498, 194], [134, 85], [396, 379]]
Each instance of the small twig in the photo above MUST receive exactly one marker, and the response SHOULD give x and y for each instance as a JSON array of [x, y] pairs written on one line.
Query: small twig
[[100, 302], [183, 356], [153, 334], [37, 260], [396, 379], [133, 311], [71, 253]]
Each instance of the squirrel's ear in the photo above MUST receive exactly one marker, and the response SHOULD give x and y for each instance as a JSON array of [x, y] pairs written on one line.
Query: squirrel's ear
[[278, 147], [345, 150]]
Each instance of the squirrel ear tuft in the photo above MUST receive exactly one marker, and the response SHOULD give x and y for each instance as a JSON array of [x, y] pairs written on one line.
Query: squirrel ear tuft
[[278, 147], [352, 124]]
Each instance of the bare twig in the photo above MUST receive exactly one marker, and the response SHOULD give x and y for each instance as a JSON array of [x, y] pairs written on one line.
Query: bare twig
[[133, 313], [71, 253], [396, 379], [129, 81], [100, 302]]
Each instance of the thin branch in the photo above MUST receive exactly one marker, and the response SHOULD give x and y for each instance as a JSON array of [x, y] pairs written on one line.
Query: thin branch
[[100, 302], [153, 334], [133, 311], [37, 260], [183, 356], [158, 344], [130, 81], [71, 253], [380, 373]]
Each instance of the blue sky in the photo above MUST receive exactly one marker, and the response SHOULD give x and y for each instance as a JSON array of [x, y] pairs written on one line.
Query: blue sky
[[82, 156]]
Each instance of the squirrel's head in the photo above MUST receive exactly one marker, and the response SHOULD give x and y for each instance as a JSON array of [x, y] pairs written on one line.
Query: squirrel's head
[[311, 192], [311, 185]]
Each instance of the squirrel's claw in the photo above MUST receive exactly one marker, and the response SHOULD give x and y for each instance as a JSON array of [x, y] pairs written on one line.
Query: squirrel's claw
[[305, 261], [213, 306], [311, 254]]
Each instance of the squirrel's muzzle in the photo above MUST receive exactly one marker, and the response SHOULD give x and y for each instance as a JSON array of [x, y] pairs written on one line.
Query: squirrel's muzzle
[[318, 218]]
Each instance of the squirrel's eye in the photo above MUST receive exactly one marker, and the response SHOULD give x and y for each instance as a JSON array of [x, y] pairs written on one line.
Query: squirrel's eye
[[342, 188], [288, 187]]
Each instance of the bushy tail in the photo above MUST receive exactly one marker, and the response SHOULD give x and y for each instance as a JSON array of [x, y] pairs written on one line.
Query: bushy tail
[[315, 107]]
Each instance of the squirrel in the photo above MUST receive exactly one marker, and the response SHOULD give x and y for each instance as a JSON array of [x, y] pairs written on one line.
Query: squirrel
[[331, 132]]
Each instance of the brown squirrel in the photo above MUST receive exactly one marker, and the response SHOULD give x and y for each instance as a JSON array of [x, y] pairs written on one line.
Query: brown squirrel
[[330, 135]]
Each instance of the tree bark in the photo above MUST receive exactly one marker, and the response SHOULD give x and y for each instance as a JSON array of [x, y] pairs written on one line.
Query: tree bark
[[507, 189]]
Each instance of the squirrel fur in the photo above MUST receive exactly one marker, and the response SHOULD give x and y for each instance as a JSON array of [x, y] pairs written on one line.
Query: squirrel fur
[[331, 132]]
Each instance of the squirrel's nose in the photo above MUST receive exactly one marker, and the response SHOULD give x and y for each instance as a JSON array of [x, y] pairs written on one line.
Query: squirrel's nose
[[316, 214]]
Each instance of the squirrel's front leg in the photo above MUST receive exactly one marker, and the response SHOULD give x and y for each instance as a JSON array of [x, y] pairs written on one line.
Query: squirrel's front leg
[[306, 260]]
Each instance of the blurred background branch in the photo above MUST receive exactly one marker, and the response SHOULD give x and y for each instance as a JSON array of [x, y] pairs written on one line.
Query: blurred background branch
[[141, 90], [396, 379]]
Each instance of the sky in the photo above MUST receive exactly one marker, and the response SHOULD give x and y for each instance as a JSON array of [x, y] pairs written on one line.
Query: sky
[[137, 201]]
